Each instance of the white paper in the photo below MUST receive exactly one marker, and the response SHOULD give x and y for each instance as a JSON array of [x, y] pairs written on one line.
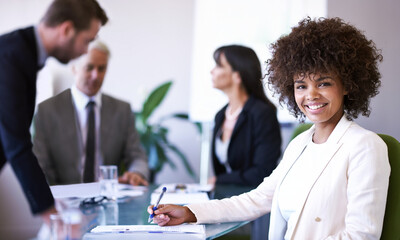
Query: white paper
[[184, 228], [180, 198], [188, 187], [82, 190], [126, 190], [87, 190]]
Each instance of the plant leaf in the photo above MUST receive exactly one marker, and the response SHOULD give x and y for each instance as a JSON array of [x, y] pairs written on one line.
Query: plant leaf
[[182, 116], [154, 99], [139, 124], [182, 156], [162, 157], [154, 136]]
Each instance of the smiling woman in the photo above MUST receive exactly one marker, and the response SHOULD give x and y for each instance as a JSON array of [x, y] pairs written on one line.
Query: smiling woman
[[320, 98], [355, 65]]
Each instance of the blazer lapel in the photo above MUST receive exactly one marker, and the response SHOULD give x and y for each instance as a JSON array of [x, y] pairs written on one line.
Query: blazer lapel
[[331, 149], [277, 227], [69, 118], [219, 118], [333, 145], [243, 116], [239, 123], [105, 120]]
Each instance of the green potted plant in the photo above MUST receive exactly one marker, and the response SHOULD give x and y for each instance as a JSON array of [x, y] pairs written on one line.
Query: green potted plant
[[154, 136]]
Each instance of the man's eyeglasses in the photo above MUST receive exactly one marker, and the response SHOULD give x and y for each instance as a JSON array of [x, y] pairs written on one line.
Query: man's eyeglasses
[[93, 201]]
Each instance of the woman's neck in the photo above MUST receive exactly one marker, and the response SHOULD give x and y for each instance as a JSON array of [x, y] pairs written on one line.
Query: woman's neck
[[237, 100], [324, 130], [321, 134]]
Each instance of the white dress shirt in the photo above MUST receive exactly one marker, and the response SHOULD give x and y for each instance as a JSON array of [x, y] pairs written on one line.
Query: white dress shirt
[[295, 184], [221, 150], [80, 100]]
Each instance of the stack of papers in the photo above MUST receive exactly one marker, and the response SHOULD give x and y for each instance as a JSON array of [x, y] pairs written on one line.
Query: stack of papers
[[181, 194], [180, 198], [184, 228], [187, 188], [87, 190]]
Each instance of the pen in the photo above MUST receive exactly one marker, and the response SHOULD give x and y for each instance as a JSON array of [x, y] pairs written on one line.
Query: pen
[[156, 206]]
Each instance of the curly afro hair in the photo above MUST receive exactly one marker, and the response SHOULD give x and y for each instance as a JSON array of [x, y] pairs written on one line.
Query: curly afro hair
[[326, 46]]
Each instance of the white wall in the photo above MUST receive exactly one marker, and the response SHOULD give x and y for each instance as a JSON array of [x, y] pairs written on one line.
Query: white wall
[[380, 21]]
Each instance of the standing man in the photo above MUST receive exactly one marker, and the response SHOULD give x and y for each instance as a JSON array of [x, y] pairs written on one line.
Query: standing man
[[62, 126], [64, 33]]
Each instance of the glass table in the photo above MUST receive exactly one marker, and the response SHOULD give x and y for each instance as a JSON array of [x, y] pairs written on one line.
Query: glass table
[[133, 211]]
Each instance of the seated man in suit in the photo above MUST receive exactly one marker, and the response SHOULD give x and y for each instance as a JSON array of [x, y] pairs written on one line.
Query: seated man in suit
[[81, 128]]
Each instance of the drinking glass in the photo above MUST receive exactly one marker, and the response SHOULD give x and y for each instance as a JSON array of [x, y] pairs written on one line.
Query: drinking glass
[[57, 227], [111, 211], [71, 217], [108, 177]]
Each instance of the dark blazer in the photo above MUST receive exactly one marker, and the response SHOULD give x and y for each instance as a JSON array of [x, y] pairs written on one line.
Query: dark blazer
[[58, 146], [18, 69], [255, 145]]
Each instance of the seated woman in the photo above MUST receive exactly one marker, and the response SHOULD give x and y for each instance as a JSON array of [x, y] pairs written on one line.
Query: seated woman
[[246, 143], [332, 181]]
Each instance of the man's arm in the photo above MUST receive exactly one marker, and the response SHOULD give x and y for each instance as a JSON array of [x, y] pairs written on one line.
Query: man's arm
[[135, 157], [17, 102]]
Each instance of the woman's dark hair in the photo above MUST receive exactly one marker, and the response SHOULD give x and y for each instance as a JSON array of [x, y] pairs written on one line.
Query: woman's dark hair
[[245, 61], [326, 46], [80, 12]]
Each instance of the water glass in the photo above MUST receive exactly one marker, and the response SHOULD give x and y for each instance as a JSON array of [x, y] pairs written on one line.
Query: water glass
[[108, 177], [111, 211], [57, 227], [72, 219]]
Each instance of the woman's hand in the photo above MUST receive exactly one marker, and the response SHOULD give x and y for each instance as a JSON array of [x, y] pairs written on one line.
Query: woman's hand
[[170, 215]]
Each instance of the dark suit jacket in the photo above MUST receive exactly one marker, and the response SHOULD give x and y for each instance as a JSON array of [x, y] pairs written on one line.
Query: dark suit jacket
[[59, 148], [18, 69], [255, 145]]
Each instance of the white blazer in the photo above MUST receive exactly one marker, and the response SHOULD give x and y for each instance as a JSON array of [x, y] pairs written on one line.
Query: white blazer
[[346, 200]]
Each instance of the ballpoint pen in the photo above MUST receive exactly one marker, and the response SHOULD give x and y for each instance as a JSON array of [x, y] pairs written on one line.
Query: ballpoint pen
[[156, 206]]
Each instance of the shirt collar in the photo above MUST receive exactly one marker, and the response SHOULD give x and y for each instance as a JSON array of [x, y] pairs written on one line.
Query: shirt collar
[[81, 100], [41, 51]]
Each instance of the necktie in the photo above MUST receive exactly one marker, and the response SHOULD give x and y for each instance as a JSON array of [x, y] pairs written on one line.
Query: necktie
[[88, 173]]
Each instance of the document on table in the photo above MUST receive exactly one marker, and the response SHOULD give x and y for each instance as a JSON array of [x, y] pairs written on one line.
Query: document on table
[[180, 198], [87, 190], [184, 228], [187, 187]]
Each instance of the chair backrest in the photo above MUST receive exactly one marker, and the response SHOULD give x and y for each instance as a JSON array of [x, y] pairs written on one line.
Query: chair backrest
[[391, 223], [299, 129]]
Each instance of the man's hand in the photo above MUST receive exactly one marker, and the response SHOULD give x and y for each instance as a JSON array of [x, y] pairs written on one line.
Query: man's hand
[[46, 215], [212, 180], [132, 178]]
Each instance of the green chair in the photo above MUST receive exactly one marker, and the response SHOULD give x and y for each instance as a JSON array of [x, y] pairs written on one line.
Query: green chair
[[391, 223], [299, 129]]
